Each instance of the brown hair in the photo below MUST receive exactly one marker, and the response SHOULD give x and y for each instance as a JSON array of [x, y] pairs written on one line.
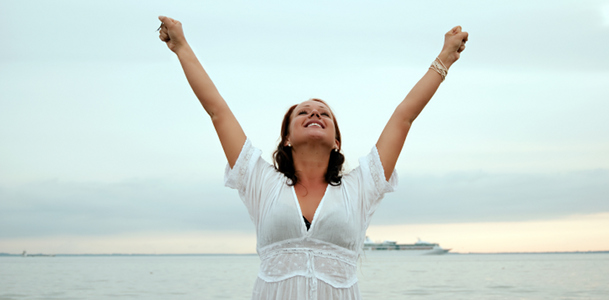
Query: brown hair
[[284, 163]]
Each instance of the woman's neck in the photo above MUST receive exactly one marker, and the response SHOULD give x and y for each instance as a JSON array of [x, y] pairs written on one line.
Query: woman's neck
[[311, 164]]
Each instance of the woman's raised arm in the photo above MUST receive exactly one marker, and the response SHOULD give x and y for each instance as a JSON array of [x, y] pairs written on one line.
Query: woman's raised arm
[[227, 127], [392, 138]]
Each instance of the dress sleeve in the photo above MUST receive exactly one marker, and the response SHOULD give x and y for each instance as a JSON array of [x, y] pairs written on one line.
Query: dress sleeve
[[373, 185], [251, 176], [236, 178]]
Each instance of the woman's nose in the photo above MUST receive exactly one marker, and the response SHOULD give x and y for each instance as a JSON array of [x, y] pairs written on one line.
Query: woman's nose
[[315, 113]]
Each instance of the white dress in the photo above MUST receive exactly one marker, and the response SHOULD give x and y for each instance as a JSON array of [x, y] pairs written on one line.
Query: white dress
[[319, 263]]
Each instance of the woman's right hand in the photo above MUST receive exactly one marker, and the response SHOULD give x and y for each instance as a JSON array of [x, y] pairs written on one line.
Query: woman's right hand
[[171, 33], [229, 131]]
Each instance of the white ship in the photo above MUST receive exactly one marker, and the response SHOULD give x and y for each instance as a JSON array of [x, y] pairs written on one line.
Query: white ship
[[25, 254], [418, 248]]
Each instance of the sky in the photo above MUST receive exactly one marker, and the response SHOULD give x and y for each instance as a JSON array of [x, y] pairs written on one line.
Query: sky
[[105, 149]]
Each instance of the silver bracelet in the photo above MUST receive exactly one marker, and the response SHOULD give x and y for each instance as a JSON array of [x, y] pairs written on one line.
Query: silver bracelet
[[438, 66]]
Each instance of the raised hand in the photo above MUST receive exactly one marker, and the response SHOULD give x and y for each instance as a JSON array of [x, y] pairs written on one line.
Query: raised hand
[[454, 44], [171, 33], [229, 131]]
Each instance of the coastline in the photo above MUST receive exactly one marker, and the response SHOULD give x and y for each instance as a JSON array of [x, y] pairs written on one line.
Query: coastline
[[254, 254]]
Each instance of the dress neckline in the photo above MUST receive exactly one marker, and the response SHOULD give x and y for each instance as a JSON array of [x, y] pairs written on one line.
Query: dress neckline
[[303, 226]]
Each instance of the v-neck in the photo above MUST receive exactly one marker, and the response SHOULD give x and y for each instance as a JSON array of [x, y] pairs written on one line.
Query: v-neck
[[315, 215]]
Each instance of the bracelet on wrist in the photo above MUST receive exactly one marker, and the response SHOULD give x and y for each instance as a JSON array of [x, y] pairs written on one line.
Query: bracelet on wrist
[[438, 66]]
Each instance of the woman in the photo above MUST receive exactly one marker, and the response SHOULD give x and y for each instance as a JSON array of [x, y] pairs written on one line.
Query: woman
[[310, 219]]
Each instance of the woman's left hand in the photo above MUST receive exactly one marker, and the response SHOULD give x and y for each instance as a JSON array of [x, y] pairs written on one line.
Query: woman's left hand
[[454, 44]]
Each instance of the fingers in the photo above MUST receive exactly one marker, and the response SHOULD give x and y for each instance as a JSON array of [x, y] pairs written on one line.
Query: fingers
[[461, 48], [163, 29], [454, 30], [163, 35], [166, 20], [463, 36], [455, 39], [170, 29]]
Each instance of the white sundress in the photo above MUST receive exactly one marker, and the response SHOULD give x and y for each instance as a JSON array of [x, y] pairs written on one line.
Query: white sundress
[[319, 263]]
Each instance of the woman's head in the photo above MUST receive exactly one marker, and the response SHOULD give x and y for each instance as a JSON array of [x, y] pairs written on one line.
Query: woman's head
[[309, 120]]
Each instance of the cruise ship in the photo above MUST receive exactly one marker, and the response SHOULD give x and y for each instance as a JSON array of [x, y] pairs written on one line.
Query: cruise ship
[[418, 248]]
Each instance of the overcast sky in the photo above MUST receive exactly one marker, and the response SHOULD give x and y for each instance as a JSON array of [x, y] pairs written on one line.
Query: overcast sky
[[104, 148]]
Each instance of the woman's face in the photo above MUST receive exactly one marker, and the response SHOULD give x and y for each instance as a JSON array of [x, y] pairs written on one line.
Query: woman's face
[[312, 122]]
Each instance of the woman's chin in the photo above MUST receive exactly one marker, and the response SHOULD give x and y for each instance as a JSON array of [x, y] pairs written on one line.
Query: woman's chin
[[319, 137]]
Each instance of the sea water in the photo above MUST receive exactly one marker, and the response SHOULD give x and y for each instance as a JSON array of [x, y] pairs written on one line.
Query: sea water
[[383, 275]]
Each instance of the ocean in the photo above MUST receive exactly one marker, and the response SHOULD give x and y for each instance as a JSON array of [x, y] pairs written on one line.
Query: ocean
[[382, 275]]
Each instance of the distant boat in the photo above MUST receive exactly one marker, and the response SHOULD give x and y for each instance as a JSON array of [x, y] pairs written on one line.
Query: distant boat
[[25, 254], [418, 248]]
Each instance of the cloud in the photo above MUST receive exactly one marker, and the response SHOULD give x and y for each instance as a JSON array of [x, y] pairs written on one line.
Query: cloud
[[54, 207], [561, 35], [485, 197], [566, 36], [71, 208]]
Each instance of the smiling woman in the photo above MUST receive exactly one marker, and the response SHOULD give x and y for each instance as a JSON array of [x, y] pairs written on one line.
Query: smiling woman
[[310, 218], [316, 114]]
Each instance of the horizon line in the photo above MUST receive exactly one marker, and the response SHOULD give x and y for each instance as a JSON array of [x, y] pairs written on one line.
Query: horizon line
[[253, 253]]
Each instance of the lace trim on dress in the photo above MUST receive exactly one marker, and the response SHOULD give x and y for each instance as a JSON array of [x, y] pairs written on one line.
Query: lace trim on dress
[[233, 177], [309, 244], [378, 173], [309, 258]]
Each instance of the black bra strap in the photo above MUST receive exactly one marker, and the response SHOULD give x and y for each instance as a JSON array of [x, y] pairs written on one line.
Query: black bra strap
[[307, 223]]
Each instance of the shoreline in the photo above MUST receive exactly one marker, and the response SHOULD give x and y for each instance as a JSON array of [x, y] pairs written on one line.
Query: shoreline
[[254, 254]]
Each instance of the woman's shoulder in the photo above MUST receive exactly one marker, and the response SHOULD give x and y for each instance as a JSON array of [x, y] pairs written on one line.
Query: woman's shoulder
[[370, 167]]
